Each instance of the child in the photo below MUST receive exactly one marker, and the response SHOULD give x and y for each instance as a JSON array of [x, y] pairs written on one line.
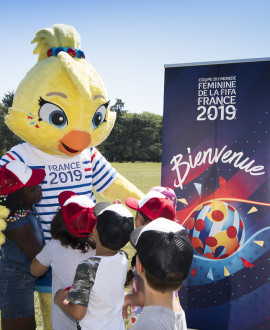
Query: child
[[71, 243], [19, 190], [97, 293], [168, 192], [164, 257], [155, 204]]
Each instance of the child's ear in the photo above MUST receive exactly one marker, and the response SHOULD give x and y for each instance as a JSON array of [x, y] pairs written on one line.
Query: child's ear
[[139, 266]]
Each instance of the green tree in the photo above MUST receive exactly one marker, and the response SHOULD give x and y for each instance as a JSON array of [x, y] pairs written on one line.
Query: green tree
[[135, 137], [7, 100], [113, 148], [118, 107], [150, 137], [7, 138]]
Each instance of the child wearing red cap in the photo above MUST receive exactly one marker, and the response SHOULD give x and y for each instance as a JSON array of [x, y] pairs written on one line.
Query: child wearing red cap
[[71, 243], [158, 202], [19, 191], [97, 293]]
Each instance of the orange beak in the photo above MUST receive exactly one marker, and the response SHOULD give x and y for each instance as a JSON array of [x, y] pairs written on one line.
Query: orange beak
[[74, 142]]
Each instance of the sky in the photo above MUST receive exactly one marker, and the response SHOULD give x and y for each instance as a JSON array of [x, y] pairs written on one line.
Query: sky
[[129, 42]]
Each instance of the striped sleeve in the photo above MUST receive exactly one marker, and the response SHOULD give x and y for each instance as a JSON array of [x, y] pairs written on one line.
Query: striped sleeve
[[83, 281], [10, 156], [103, 173]]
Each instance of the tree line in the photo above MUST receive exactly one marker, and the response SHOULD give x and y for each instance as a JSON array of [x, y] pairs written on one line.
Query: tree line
[[134, 137], [7, 138]]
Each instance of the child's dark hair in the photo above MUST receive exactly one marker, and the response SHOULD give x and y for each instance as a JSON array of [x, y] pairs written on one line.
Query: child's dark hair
[[146, 220], [164, 286], [13, 201], [60, 232], [130, 273]]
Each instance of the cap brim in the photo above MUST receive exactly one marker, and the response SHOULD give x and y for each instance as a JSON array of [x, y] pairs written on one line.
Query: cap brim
[[133, 203], [134, 236], [37, 177], [99, 207]]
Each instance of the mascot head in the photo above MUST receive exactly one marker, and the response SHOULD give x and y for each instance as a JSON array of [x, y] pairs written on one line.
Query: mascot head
[[61, 107]]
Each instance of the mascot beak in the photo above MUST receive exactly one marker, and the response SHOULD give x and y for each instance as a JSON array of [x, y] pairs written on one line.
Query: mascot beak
[[74, 142]]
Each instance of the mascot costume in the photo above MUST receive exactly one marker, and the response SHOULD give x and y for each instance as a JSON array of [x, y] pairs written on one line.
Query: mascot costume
[[61, 111]]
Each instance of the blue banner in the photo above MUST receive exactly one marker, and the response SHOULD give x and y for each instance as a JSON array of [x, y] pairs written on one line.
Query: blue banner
[[216, 156]]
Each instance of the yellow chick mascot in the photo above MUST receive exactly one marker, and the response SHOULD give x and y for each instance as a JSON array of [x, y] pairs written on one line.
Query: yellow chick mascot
[[61, 111]]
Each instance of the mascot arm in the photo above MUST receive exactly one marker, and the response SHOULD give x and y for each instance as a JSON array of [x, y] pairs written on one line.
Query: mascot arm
[[4, 212], [121, 189]]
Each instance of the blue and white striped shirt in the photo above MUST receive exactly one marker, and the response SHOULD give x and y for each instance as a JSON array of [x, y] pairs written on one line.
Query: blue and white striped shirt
[[77, 173]]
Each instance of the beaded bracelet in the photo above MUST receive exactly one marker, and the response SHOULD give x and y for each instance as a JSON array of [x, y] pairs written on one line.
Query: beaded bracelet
[[3, 198]]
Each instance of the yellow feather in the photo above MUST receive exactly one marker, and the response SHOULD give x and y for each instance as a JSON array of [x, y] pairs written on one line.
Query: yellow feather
[[4, 212]]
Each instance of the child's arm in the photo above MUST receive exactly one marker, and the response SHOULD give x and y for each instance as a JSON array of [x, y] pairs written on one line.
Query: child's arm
[[76, 311], [26, 239], [75, 301], [37, 269]]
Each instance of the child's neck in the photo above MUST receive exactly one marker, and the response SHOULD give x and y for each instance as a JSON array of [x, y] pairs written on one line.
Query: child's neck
[[27, 207], [156, 298], [104, 252]]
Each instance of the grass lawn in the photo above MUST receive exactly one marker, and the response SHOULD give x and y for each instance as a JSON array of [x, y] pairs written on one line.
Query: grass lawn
[[144, 176]]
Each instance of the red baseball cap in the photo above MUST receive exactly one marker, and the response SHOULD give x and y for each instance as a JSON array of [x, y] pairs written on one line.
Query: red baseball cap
[[78, 213], [16, 175], [153, 205]]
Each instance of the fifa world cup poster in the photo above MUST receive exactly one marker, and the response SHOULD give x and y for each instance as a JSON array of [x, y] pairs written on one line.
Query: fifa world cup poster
[[216, 157]]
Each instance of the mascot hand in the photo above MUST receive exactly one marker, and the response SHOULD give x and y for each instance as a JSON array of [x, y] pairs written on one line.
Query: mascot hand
[[122, 189]]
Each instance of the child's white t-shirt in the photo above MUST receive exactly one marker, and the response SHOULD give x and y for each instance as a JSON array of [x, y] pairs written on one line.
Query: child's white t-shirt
[[99, 286], [64, 261]]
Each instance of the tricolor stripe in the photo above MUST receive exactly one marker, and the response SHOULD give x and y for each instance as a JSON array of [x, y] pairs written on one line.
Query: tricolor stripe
[[10, 156]]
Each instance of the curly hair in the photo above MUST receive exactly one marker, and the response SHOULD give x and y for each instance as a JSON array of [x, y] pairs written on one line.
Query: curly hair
[[60, 232], [14, 202]]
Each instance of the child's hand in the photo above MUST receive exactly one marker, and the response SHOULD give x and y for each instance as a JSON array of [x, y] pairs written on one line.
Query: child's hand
[[60, 296], [117, 201], [125, 310]]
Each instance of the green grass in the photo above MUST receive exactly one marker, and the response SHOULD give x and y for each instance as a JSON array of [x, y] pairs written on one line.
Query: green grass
[[144, 176]]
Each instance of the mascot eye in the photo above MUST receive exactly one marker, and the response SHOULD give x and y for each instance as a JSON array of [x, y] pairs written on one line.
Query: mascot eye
[[99, 116], [52, 114]]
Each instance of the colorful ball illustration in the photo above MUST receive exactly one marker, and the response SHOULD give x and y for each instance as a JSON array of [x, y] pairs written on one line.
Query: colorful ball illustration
[[216, 230]]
